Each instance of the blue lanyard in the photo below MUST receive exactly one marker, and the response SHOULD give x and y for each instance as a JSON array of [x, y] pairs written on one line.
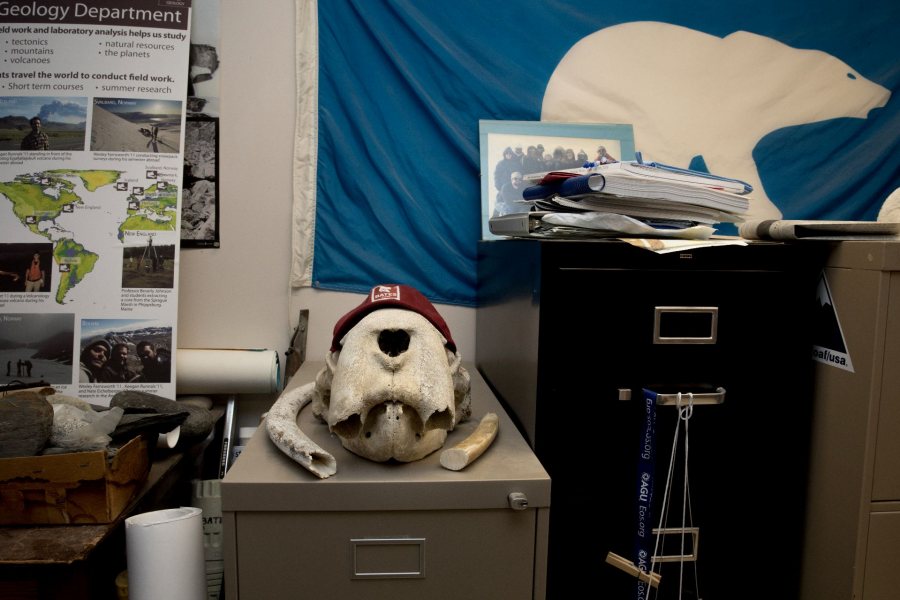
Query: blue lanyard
[[643, 538]]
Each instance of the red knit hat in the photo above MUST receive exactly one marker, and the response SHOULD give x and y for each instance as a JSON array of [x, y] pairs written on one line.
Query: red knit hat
[[391, 296]]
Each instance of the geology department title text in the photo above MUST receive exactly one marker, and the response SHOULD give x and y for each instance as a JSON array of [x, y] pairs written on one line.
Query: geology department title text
[[84, 13]]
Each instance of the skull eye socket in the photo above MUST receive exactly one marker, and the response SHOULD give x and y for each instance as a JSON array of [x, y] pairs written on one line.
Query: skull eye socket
[[393, 342]]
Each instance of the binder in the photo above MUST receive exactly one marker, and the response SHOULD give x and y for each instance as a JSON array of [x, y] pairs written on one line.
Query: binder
[[517, 223]]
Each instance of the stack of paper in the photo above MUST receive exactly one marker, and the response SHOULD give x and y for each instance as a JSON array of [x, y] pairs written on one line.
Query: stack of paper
[[641, 190], [632, 198], [594, 224], [644, 208]]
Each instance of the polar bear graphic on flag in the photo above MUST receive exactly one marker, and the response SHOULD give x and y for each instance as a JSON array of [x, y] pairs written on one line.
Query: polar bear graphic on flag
[[693, 95]]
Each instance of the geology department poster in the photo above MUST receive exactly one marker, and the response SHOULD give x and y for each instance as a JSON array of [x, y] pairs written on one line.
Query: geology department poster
[[92, 99]]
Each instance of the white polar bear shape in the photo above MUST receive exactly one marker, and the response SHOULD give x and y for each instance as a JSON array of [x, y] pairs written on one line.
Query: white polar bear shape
[[688, 93]]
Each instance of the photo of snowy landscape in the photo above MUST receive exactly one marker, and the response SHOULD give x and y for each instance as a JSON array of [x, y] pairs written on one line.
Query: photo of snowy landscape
[[36, 348]]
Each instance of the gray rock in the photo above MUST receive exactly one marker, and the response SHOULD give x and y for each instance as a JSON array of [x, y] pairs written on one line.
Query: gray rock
[[196, 426], [26, 420]]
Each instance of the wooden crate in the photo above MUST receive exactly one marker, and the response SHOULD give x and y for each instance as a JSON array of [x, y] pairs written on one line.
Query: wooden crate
[[77, 488]]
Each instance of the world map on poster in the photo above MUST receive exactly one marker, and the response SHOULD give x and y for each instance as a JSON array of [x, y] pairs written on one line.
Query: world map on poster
[[69, 207]]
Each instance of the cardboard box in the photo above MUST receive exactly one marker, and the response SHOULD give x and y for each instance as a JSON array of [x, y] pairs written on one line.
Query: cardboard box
[[77, 488]]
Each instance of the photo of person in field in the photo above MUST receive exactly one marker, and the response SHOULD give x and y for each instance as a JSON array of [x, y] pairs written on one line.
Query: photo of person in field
[[42, 123]]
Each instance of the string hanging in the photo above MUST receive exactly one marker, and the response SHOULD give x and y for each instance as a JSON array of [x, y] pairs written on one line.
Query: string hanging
[[685, 412]]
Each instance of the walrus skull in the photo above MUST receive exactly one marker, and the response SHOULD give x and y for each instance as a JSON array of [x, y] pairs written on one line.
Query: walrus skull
[[393, 390]]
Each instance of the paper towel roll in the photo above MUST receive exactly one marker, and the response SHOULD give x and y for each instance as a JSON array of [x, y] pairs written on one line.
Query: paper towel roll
[[164, 551], [211, 371]]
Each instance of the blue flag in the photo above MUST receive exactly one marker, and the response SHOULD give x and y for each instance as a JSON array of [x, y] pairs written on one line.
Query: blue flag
[[800, 103]]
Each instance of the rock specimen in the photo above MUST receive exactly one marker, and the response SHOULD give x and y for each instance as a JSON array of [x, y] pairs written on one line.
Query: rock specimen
[[26, 419], [195, 427]]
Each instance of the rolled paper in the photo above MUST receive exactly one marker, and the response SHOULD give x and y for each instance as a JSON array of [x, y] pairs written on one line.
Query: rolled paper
[[169, 439], [214, 371]]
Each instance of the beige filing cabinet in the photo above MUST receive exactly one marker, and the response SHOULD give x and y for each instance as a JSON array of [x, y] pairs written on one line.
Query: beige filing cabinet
[[852, 540], [387, 531]]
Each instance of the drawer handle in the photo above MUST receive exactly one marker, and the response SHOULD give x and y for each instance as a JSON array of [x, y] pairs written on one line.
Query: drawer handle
[[717, 397], [685, 324], [388, 558]]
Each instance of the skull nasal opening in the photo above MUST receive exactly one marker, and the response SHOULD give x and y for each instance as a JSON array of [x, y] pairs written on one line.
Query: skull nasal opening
[[393, 342]]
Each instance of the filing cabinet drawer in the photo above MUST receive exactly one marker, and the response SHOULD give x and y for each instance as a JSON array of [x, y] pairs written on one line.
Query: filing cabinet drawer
[[886, 484], [882, 577], [390, 555]]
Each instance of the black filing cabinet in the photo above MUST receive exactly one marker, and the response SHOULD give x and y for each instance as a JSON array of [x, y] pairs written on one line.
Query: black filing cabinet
[[569, 333]]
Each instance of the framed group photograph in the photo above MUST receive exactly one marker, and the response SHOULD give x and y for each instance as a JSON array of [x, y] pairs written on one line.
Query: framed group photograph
[[200, 196], [510, 150]]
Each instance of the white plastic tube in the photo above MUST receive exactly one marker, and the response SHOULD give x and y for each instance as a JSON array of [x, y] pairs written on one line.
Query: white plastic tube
[[165, 555]]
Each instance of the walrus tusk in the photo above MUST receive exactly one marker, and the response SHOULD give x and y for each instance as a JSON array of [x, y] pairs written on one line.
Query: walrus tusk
[[281, 424], [466, 451]]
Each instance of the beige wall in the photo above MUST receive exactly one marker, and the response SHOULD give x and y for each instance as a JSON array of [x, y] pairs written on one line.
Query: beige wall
[[238, 296]]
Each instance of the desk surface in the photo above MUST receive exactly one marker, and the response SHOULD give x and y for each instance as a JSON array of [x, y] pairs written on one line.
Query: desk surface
[[67, 544]]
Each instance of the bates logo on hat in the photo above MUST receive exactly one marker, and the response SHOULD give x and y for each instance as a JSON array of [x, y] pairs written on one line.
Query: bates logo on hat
[[385, 292], [391, 295]]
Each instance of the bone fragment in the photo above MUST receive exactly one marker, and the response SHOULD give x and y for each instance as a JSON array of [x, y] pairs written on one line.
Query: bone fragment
[[465, 452], [281, 424]]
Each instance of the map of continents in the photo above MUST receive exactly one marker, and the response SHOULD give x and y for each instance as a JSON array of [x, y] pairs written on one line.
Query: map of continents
[[82, 211]]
